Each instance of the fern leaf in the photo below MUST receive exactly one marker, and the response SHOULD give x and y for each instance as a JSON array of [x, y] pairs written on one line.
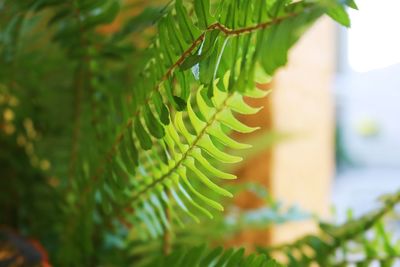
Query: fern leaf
[[186, 46], [188, 165], [177, 120], [202, 256]]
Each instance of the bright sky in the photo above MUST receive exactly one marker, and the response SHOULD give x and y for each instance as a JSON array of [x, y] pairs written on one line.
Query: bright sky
[[374, 38]]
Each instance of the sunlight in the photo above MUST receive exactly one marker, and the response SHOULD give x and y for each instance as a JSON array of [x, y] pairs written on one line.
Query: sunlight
[[374, 38]]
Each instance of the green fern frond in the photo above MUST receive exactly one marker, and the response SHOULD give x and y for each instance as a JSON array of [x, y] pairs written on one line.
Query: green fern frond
[[376, 248], [163, 146], [188, 143], [201, 256], [202, 54], [165, 139], [188, 52]]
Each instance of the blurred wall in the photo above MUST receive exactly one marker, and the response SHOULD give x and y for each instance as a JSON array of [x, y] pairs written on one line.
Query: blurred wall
[[302, 104], [297, 170]]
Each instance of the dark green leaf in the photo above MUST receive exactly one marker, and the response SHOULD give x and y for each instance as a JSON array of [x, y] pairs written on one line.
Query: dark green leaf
[[202, 9], [105, 14], [143, 136], [352, 4], [153, 125], [339, 14], [162, 110]]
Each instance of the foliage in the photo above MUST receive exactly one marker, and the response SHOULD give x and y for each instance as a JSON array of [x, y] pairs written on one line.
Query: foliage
[[126, 130], [347, 244], [222, 229], [197, 256]]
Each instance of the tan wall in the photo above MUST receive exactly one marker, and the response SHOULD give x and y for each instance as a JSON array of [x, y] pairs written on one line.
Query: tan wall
[[298, 170], [302, 103]]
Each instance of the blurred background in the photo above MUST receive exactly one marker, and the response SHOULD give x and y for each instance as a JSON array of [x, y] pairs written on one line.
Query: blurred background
[[337, 102], [367, 95]]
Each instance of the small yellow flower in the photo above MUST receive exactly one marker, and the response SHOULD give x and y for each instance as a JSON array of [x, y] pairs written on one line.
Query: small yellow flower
[[32, 134], [28, 124], [8, 115], [45, 164]]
